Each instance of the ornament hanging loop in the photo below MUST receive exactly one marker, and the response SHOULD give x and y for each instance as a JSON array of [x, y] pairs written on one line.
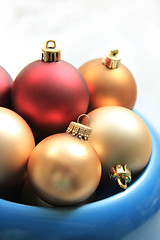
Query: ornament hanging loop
[[84, 115], [51, 54], [79, 130], [50, 41], [113, 53], [121, 184], [112, 59], [121, 174]]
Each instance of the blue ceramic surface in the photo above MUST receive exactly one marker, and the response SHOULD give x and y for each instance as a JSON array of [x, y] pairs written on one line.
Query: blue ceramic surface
[[129, 215]]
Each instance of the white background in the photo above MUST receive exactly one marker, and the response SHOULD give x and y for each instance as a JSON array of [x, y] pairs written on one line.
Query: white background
[[83, 30]]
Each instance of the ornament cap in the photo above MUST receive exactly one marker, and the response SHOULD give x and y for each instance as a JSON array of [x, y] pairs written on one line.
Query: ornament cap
[[121, 174], [79, 130], [51, 54], [112, 59]]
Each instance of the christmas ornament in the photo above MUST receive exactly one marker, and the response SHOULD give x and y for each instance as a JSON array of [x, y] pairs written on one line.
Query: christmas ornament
[[120, 137], [5, 88], [49, 93], [16, 144], [109, 82], [64, 169]]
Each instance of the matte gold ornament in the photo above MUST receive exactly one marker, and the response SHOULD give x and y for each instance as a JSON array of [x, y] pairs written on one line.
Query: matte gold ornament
[[120, 137], [16, 144], [64, 169], [109, 82]]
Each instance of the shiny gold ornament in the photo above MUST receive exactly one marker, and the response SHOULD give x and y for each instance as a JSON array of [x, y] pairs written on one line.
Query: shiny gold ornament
[[120, 136], [109, 82], [16, 144], [64, 169]]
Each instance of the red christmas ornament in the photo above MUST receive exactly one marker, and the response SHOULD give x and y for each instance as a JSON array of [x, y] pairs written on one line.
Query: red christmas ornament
[[5, 88], [49, 93]]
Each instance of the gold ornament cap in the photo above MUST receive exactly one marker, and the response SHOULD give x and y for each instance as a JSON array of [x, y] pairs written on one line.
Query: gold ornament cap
[[121, 174], [79, 130], [112, 60], [51, 54]]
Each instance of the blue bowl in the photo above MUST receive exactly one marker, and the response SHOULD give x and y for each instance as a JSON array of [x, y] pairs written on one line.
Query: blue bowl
[[129, 215]]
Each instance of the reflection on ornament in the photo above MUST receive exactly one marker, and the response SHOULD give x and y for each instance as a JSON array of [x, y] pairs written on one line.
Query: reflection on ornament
[[64, 169], [109, 82]]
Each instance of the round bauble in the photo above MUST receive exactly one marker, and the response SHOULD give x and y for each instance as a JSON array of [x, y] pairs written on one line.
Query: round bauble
[[49, 93], [120, 136], [109, 82], [64, 170], [16, 144], [5, 88]]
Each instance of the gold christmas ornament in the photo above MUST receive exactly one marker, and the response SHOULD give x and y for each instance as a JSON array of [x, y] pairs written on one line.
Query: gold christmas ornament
[[120, 137], [109, 82], [64, 169], [16, 144]]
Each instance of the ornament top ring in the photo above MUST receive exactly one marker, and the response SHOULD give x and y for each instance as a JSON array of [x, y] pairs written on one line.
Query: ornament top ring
[[79, 130], [51, 54], [112, 60], [47, 42], [121, 174], [84, 115]]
